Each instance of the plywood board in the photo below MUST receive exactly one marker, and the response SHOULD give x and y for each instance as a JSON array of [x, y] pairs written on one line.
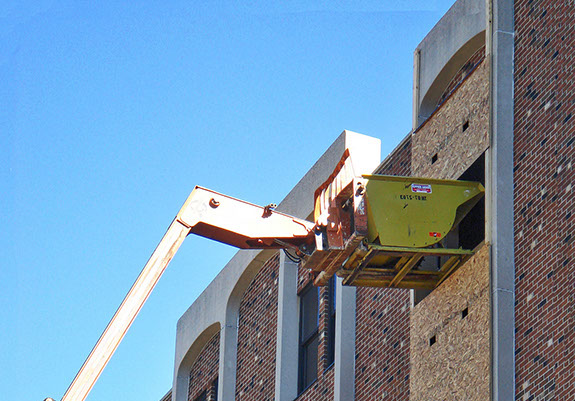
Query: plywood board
[[450, 352], [441, 148]]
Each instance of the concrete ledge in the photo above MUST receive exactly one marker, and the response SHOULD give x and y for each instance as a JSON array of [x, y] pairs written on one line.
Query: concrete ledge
[[453, 40]]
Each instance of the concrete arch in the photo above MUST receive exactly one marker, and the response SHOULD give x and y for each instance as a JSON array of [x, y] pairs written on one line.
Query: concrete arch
[[455, 38], [443, 79], [185, 367], [229, 334], [216, 309]]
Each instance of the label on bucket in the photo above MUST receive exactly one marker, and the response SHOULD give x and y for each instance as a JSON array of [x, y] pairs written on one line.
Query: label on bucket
[[421, 188]]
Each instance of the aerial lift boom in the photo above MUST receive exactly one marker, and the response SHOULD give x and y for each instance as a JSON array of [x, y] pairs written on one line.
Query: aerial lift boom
[[371, 230], [206, 213]]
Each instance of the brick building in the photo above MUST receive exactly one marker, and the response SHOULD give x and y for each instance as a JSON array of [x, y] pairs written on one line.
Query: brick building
[[493, 102]]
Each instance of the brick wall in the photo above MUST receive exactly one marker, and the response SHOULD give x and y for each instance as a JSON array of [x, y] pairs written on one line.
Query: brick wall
[[382, 344], [257, 331], [204, 371], [321, 390], [255, 375], [398, 162], [382, 321], [544, 154]]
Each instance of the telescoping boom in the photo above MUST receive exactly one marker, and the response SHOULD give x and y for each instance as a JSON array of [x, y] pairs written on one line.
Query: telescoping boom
[[206, 213], [371, 230]]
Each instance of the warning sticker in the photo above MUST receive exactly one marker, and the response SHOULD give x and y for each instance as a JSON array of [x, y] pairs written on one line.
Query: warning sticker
[[421, 188]]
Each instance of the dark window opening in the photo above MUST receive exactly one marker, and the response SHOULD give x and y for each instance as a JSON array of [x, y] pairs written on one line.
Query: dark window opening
[[432, 341], [214, 396], [464, 313], [202, 397], [211, 394], [472, 227], [308, 337], [465, 126], [468, 234], [434, 158], [330, 352]]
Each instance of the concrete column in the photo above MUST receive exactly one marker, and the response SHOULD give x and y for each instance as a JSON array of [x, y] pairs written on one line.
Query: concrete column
[[181, 386], [344, 381], [500, 50], [228, 356], [416, 63], [287, 332]]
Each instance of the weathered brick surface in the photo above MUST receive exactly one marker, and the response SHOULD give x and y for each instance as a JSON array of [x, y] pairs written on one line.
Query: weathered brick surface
[[257, 331], [544, 153], [255, 377], [205, 369], [398, 162], [304, 278], [442, 147], [382, 344], [382, 321]]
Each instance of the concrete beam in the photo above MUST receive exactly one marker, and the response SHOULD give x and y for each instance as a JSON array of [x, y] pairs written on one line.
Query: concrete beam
[[500, 51], [364, 150], [287, 332], [344, 380], [228, 357]]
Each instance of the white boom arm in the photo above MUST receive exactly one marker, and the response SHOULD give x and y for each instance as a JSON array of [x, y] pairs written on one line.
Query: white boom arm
[[126, 313], [208, 214]]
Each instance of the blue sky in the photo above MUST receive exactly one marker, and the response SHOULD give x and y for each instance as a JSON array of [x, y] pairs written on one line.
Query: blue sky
[[111, 112]]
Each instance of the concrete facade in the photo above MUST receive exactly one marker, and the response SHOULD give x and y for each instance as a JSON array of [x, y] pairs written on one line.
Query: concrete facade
[[492, 99]]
